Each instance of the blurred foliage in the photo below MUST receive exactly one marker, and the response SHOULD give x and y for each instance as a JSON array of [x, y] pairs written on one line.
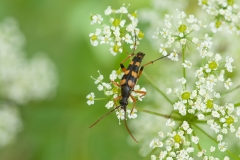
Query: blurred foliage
[[57, 129]]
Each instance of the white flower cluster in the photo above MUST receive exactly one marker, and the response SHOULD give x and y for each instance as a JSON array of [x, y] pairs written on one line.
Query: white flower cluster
[[122, 29], [205, 78], [178, 144], [112, 91], [201, 102], [225, 13], [186, 25], [22, 80], [10, 123]]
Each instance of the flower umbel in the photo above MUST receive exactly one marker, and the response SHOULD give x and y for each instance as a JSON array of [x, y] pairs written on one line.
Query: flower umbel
[[198, 92], [121, 30]]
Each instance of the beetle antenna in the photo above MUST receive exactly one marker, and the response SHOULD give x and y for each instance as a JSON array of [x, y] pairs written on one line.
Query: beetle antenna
[[103, 116], [125, 121]]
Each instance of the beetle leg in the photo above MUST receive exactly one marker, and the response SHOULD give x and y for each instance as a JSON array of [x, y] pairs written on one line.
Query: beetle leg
[[141, 92], [134, 103], [121, 64], [116, 84]]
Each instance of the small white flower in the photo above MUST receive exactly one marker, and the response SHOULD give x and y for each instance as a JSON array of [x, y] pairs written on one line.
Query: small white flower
[[128, 39], [169, 90], [99, 79], [199, 72], [212, 149], [193, 94], [161, 134], [191, 19], [195, 139], [108, 11], [106, 31], [228, 83], [222, 146], [163, 49], [155, 143], [195, 40], [182, 80], [232, 128], [215, 127], [187, 64], [153, 157], [105, 39], [238, 111], [108, 93], [190, 149], [218, 57], [170, 123], [238, 133], [122, 9], [189, 131], [90, 98], [226, 158], [200, 116], [94, 37], [217, 95], [181, 15], [230, 108], [120, 114], [219, 137], [100, 87], [110, 104], [215, 114], [164, 33], [169, 158], [221, 76], [173, 56], [180, 35], [185, 125], [112, 51], [107, 85], [222, 120], [113, 75], [229, 59], [122, 22], [162, 154], [182, 109], [132, 115], [171, 39], [228, 64], [96, 18], [183, 41], [224, 130]]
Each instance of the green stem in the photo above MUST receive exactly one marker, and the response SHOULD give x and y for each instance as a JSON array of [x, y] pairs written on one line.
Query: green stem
[[156, 87], [237, 104], [159, 114], [96, 99], [184, 69], [199, 147], [230, 90], [198, 121], [167, 116], [230, 153], [149, 155]]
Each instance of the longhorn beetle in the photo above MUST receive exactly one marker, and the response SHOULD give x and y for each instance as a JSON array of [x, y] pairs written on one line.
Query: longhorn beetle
[[127, 83]]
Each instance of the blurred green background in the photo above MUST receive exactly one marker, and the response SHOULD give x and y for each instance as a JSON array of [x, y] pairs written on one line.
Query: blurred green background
[[57, 129]]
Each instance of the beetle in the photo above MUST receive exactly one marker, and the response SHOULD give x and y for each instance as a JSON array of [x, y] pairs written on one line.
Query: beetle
[[127, 83]]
